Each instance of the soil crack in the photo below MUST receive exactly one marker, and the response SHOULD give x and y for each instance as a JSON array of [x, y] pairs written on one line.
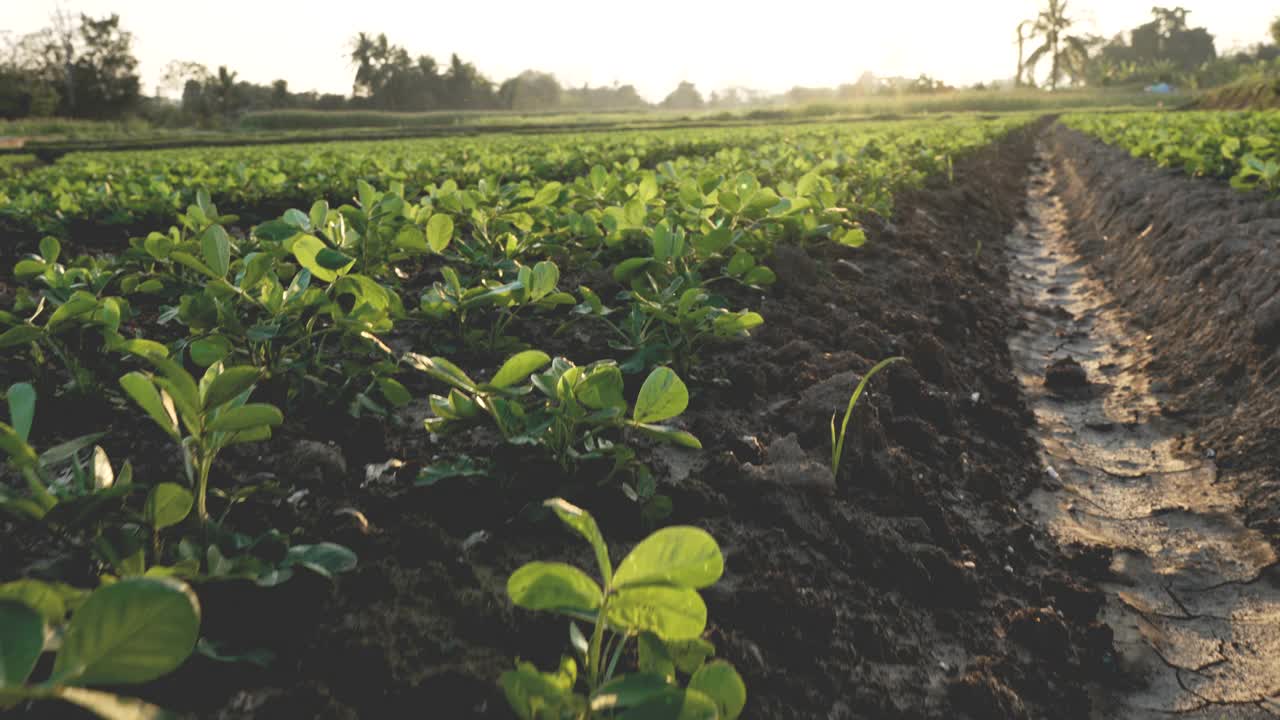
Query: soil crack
[[1191, 595]]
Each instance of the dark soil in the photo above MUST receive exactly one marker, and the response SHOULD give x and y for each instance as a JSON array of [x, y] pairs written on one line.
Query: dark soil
[[1197, 265], [908, 587]]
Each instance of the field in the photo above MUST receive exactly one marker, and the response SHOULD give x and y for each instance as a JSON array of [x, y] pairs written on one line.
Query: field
[[765, 419]]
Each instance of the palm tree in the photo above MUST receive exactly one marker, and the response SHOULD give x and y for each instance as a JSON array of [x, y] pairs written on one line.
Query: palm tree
[[225, 89], [1022, 38], [1067, 54]]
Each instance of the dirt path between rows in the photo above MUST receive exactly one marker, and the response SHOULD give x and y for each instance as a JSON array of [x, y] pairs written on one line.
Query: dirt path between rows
[[1192, 596]]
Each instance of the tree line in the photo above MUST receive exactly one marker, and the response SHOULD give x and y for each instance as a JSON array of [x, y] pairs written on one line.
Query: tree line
[[84, 67], [1165, 50]]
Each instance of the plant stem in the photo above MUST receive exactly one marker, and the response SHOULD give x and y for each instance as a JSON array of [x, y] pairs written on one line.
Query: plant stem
[[597, 638], [202, 487]]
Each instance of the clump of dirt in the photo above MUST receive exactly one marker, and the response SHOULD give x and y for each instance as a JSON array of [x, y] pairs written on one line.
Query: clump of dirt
[[1195, 262]]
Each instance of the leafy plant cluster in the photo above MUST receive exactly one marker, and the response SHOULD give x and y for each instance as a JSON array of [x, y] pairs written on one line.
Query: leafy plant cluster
[[87, 189], [434, 269], [1238, 146]]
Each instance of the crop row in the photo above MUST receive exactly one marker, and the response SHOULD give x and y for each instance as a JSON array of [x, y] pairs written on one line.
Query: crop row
[[133, 189], [1240, 146], [450, 277]]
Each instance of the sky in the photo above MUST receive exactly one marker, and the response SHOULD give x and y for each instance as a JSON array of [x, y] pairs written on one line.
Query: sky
[[653, 44]]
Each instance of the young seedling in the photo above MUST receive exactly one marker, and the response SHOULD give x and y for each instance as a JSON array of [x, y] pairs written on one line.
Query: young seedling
[[215, 413], [83, 498], [127, 633], [837, 441], [652, 598]]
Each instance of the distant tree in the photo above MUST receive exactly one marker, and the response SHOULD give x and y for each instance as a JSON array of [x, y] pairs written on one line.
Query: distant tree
[[1165, 49], [1275, 31], [1024, 28], [1068, 55], [280, 96], [179, 72], [530, 90], [88, 61], [684, 97], [225, 95], [105, 70], [466, 88]]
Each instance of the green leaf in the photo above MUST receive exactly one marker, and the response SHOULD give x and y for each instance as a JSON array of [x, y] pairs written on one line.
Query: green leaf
[[139, 346], [50, 249], [669, 612], [331, 259], [64, 451], [167, 505], [553, 586], [325, 559], [228, 385], [720, 682], [19, 452], [319, 214], [27, 269], [760, 275], [585, 525], [439, 232], [546, 195], [209, 350], [601, 389], [628, 691], [463, 466], [22, 408], [543, 280], [394, 391], [714, 241], [630, 267], [158, 246], [246, 417], [191, 261], [39, 596], [307, 248], [675, 704], [662, 396], [129, 632], [21, 642], [741, 262], [654, 657], [144, 393], [19, 335], [681, 555], [179, 383], [857, 237], [670, 435], [216, 247], [411, 237], [78, 304], [518, 368], [443, 370], [534, 695], [690, 654]]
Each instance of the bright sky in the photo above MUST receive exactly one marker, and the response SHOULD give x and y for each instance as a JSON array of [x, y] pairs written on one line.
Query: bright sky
[[652, 44]]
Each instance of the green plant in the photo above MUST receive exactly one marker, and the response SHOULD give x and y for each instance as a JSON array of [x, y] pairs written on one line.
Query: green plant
[[534, 287], [837, 441], [91, 491], [124, 633], [215, 413], [577, 407], [653, 599]]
